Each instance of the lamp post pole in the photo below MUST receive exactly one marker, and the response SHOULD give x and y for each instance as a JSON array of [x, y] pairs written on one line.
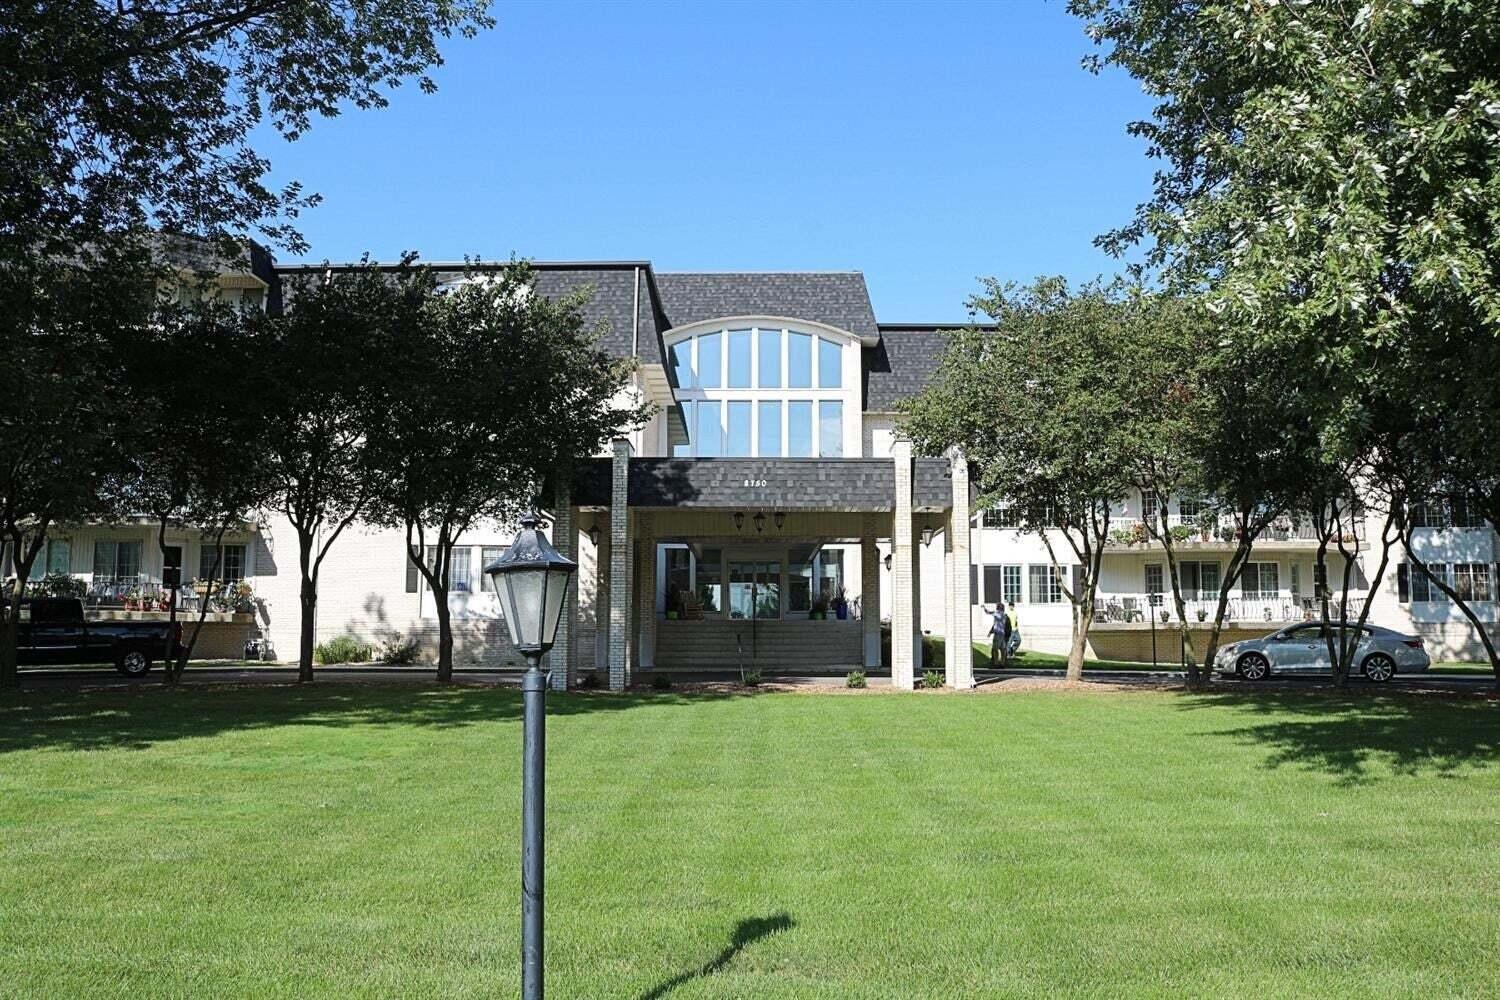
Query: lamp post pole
[[530, 580], [533, 807]]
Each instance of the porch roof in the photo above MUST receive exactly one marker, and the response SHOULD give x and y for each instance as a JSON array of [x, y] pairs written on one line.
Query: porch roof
[[826, 484]]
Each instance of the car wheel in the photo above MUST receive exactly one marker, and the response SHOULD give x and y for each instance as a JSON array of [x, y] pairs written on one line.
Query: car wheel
[[1379, 668], [133, 663], [1253, 667]]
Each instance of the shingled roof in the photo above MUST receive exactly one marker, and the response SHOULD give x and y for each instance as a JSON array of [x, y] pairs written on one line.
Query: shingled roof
[[904, 361], [837, 298]]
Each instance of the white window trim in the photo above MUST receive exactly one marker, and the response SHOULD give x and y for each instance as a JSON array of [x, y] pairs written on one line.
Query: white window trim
[[848, 394]]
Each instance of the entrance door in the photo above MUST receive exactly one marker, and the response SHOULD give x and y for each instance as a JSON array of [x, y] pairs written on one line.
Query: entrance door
[[754, 589]]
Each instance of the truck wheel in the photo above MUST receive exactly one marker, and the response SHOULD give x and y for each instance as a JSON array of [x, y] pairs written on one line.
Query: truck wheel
[[133, 663]]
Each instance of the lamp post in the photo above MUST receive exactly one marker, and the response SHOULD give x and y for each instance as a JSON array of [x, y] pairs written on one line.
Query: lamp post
[[531, 582]]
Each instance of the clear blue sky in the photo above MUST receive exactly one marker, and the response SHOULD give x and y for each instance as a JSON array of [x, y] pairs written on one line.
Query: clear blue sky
[[923, 144]]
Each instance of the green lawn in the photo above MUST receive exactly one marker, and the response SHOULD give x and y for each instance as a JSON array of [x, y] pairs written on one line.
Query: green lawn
[[1054, 661], [343, 840]]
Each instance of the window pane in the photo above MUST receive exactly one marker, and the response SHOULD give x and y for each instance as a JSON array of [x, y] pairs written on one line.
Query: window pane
[[1012, 584], [799, 577], [458, 570], [769, 342], [59, 556], [710, 361], [993, 590], [684, 448], [710, 433], [411, 568], [488, 555], [104, 560], [128, 562], [799, 431], [737, 441], [830, 365], [739, 359], [769, 442], [830, 428], [799, 360], [682, 363], [710, 577]]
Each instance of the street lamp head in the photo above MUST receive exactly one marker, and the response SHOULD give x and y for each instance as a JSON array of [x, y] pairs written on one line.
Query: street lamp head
[[780, 519], [887, 560], [760, 521], [739, 520], [531, 581], [594, 534]]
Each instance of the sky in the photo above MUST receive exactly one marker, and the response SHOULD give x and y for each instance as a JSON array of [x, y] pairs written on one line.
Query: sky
[[926, 145]]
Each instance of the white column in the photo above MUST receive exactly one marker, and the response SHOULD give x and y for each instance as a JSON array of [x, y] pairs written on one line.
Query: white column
[[619, 569], [560, 660], [903, 617], [869, 600], [960, 638]]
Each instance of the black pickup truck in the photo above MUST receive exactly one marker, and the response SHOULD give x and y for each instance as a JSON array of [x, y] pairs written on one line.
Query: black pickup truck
[[53, 630]]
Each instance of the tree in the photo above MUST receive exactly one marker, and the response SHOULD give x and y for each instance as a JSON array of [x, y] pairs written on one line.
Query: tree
[[193, 443], [59, 415], [117, 119], [1036, 407], [316, 366], [1449, 470], [1327, 186], [489, 390], [1168, 348], [122, 117]]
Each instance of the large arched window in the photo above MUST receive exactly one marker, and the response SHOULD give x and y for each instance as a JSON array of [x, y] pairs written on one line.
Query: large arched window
[[762, 388]]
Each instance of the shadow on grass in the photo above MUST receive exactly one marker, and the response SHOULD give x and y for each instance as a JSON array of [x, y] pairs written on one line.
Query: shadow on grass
[[140, 717], [746, 932], [1346, 734]]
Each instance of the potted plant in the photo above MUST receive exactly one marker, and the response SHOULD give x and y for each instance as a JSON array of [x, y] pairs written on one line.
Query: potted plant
[[1208, 524], [1203, 614], [1166, 616], [1138, 532], [819, 609], [840, 604]]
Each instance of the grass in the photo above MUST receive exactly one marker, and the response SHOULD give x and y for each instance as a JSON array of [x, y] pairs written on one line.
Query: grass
[[1033, 660], [350, 840]]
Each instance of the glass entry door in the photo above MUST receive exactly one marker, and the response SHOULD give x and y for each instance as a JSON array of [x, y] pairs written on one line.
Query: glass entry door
[[755, 589]]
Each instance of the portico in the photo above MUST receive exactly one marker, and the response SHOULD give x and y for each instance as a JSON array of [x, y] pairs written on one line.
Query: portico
[[759, 563]]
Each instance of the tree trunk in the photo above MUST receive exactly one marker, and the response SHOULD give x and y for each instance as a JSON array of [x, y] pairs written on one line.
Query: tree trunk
[[186, 651], [1231, 577], [308, 598], [1081, 619], [309, 601], [445, 635], [10, 677], [10, 611]]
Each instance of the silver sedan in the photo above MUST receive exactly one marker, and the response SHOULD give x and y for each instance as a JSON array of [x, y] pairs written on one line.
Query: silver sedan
[[1303, 649]]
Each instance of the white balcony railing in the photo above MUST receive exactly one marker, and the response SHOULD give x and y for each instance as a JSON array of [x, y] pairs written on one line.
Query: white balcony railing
[[1191, 529], [1244, 608]]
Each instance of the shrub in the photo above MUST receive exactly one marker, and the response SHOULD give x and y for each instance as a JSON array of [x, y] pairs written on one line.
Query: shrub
[[590, 680], [58, 585], [400, 650], [752, 678], [661, 682], [855, 679], [932, 679], [343, 649]]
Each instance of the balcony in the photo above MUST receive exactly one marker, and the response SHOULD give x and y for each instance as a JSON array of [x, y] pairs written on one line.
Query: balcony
[[1127, 611], [1195, 532]]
